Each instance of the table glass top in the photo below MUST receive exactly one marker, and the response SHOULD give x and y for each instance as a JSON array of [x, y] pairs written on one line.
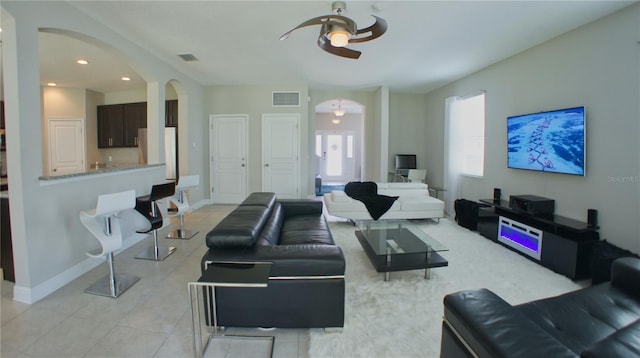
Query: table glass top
[[398, 237]]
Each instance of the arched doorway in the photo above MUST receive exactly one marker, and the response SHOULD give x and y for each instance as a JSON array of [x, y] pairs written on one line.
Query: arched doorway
[[339, 141]]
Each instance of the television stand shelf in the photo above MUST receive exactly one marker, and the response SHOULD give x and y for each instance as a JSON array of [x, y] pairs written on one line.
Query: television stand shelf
[[563, 246]]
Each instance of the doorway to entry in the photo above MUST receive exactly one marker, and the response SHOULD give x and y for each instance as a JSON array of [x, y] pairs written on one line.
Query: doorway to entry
[[336, 155]]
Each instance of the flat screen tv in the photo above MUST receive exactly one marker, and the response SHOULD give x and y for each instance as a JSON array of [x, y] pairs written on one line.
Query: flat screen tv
[[551, 141], [405, 161]]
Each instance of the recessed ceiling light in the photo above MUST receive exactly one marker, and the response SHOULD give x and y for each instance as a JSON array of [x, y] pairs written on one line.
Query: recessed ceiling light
[[82, 61], [125, 78], [52, 84]]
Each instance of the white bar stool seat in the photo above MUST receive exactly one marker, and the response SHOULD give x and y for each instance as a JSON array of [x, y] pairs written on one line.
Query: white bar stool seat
[[103, 222], [181, 201]]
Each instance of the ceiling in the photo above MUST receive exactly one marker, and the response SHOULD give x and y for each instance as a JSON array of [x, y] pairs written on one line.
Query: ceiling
[[428, 43]]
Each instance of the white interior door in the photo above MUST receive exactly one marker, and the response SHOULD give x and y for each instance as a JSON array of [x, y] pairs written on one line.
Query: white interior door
[[66, 146], [280, 153], [229, 162]]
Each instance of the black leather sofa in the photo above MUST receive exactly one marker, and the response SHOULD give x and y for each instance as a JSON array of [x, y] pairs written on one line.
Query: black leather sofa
[[306, 285], [599, 321]]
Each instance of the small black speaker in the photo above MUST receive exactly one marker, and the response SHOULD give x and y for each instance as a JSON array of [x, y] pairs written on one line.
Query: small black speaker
[[497, 193], [592, 217]]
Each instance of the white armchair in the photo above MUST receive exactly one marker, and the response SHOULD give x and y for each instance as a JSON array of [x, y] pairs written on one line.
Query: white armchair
[[417, 175]]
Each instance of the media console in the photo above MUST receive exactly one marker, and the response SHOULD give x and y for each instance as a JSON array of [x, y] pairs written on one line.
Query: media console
[[556, 242]]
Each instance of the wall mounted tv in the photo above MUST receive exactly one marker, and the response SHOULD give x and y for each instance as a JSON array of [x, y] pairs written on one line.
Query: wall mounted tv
[[551, 141]]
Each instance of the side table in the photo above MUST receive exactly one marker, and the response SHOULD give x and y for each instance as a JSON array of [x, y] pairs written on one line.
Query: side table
[[437, 190], [222, 274]]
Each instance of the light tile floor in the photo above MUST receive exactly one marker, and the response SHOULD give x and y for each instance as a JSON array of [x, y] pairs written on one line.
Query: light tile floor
[[151, 319]]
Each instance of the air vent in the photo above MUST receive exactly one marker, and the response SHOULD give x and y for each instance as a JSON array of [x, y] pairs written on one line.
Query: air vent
[[286, 99], [188, 57]]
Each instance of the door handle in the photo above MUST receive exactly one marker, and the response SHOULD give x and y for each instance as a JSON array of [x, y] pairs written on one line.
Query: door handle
[[266, 165]]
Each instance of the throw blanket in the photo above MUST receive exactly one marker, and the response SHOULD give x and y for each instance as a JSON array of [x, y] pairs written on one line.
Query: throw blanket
[[367, 193]]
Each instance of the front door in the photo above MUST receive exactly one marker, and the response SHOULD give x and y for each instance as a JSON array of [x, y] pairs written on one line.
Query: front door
[[228, 154], [280, 154], [335, 152], [66, 146]]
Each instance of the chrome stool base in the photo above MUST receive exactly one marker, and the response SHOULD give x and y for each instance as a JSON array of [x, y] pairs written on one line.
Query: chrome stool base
[[103, 286], [155, 253], [182, 234]]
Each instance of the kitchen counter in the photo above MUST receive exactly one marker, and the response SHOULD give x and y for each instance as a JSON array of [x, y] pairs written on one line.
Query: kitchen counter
[[101, 170]]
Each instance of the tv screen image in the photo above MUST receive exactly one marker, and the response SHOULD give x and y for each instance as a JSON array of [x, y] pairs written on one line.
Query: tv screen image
[[405, 161], [552, 141]]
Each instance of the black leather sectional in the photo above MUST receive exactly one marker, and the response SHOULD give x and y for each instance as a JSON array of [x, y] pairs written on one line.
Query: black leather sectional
[[306, 287], [599, 321]]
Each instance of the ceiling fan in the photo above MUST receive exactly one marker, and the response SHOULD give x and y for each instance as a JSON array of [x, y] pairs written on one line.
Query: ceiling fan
[[337, 31]]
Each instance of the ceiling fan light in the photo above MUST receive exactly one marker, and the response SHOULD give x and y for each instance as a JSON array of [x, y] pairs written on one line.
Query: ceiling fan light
[[339, 112], [339, 38]]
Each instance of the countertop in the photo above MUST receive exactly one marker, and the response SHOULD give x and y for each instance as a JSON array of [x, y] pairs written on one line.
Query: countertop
[[107, 169]]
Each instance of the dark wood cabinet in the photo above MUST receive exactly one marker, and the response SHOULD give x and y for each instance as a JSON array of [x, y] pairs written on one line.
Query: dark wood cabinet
[[171, 113], [1, 114], [3, 145], [118, 124], [6, 245], [110, 126], [135, 117]]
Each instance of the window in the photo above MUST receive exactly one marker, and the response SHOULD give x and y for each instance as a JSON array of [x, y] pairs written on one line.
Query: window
[[464, 142], [468, 135], [318, 145]]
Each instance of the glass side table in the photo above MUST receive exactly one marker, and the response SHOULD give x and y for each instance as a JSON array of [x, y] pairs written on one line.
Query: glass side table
[[436, 190], [202, 295]]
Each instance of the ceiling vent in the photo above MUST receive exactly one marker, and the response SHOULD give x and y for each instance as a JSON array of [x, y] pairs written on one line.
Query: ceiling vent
[[286, 99], [187, 57]]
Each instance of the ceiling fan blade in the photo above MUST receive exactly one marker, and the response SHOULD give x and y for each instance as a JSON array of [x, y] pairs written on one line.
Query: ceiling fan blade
[[325, 20], [338, 51], [376, 30], [310, 22]]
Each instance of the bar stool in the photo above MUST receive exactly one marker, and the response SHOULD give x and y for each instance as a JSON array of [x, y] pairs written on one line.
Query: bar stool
[[103, 222], [181, 202], [148, 206]]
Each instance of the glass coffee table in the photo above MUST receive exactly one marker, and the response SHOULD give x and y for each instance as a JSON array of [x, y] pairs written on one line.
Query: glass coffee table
[[399, 245]]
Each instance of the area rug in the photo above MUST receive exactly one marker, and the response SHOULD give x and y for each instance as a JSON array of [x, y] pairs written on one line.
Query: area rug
[[403, 317]]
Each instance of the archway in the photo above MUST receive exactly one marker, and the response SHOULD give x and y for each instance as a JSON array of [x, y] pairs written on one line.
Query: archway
[[339, 141]]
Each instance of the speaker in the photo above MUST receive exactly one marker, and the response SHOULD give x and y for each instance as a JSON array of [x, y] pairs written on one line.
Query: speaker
[[497, 193], [592, 217]]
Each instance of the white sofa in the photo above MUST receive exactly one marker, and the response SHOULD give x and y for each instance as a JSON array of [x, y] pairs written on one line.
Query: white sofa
[[414, 202]]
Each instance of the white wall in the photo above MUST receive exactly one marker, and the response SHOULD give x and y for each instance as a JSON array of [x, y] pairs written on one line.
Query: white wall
[[256, 100], [49, 241], [369, 99], [407, 129], [93, 99], [598, 66]]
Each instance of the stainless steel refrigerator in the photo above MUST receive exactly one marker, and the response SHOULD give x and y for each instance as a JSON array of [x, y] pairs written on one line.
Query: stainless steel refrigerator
[[170, 150]]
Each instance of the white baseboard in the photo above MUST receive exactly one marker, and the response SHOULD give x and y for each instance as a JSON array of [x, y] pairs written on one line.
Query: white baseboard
[[35, 294], [32, 295]]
